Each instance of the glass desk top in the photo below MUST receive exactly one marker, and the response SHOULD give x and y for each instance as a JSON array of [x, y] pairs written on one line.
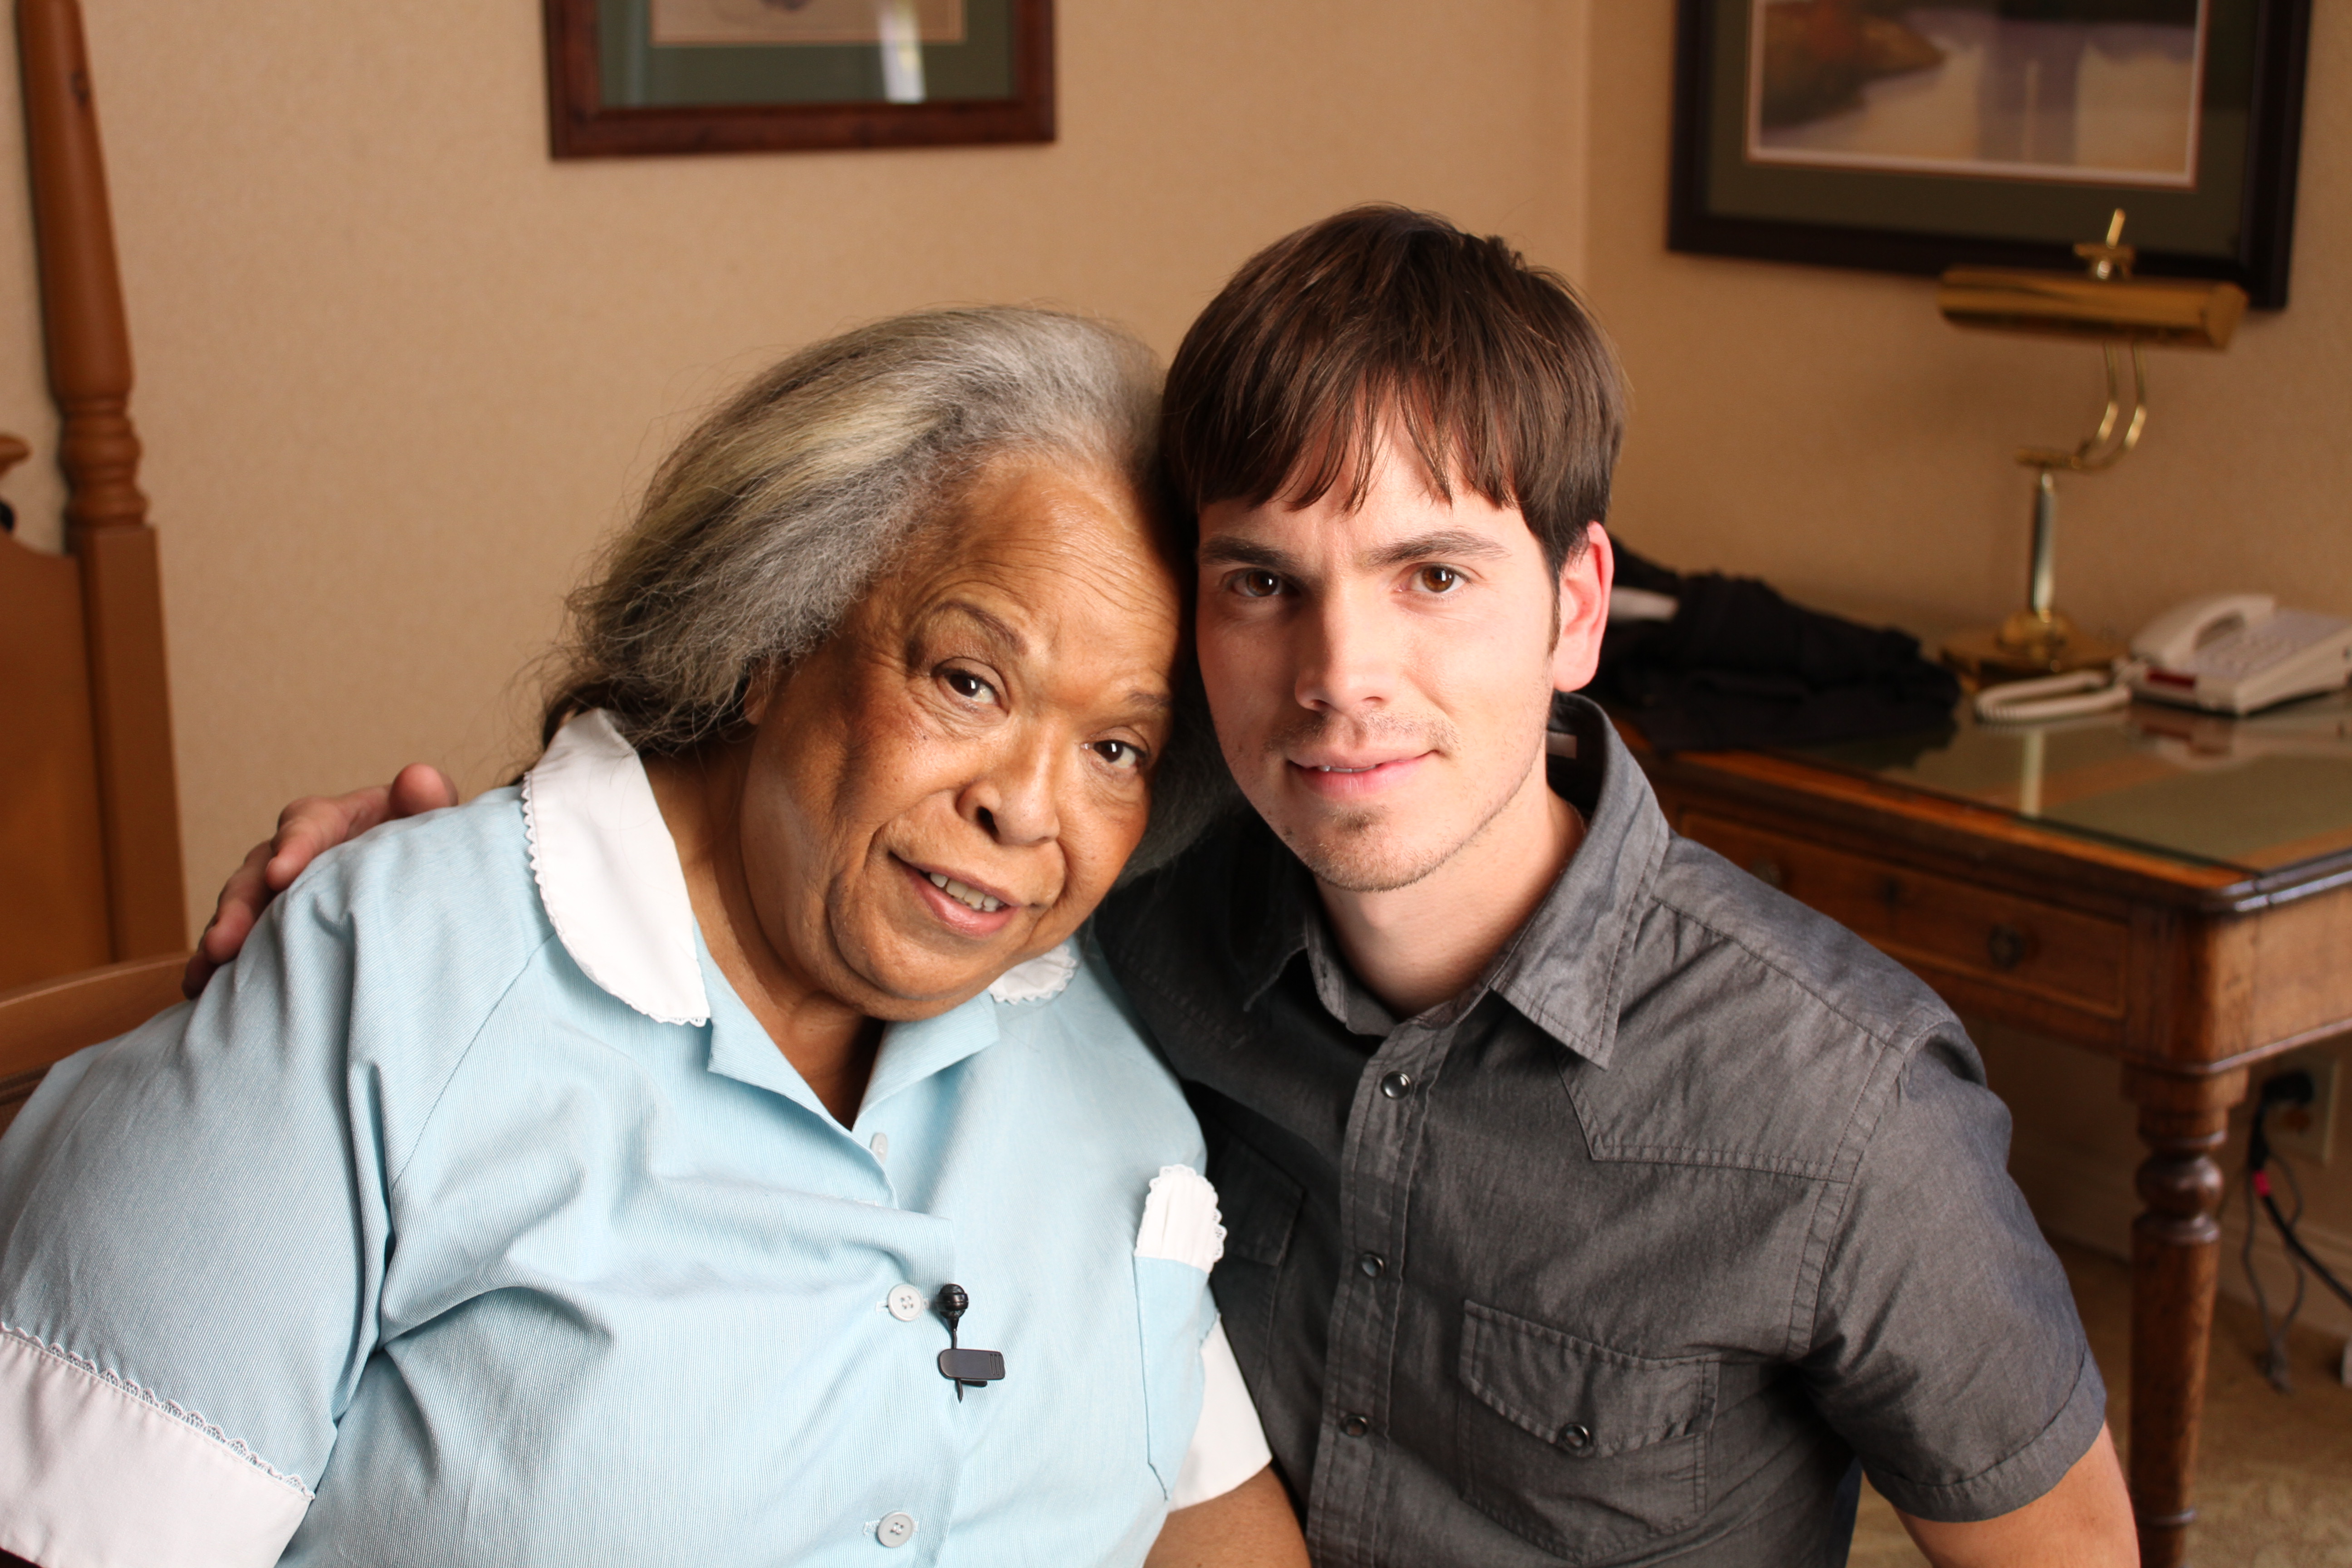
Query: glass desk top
[[2258, 795]]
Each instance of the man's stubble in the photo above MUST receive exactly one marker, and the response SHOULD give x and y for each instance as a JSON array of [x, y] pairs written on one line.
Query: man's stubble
[[1357, 850]]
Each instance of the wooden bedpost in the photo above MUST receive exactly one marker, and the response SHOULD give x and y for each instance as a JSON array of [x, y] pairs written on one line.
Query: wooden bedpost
[[106, 516]]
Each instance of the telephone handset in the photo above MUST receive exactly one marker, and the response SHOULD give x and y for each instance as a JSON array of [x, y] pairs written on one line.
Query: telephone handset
[[2233, 653], [2225, 653], [2172, 639]]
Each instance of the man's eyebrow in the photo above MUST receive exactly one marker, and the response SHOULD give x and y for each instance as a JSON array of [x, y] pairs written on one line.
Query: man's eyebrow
[[1224, 550], [1456, 543]]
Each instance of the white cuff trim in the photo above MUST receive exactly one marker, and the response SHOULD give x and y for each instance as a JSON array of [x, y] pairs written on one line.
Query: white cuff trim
[[96, 1473], [1228, 1445]]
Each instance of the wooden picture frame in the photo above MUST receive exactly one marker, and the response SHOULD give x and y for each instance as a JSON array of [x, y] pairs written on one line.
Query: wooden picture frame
[[2227, 214], [770, 95]]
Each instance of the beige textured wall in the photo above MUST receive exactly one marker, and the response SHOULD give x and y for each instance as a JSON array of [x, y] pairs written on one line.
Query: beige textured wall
[[398, 371], [1827, 431]]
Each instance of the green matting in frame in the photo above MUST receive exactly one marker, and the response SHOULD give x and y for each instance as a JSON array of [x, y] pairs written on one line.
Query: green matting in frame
[[635, 72]]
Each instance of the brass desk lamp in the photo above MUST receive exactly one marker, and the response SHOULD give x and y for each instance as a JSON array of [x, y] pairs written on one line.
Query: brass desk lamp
[[2120, 312]]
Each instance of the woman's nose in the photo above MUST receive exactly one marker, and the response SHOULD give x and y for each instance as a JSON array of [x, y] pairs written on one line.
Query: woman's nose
[[1012, 801]]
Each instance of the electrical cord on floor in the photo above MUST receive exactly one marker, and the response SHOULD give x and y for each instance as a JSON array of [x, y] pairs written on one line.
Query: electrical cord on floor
[[2274, 1357], [2286, 1089]]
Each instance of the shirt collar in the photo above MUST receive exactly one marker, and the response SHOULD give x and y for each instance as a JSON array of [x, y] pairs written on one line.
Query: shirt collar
[[740, 1049], [609, 878], [1290, 916], [1562, 968], [608, 873]]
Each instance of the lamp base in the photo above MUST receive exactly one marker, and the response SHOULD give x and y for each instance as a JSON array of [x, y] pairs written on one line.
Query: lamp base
[[2025, 646]]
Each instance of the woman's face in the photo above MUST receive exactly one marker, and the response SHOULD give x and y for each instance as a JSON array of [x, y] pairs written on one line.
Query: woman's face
[[950, 783]]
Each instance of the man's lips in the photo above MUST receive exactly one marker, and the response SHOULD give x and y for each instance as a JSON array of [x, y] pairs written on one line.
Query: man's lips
[[1352, 778], [974, 908]]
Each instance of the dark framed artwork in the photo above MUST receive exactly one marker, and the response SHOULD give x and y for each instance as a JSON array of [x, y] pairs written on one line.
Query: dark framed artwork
[[1911, 136], [733, 76]]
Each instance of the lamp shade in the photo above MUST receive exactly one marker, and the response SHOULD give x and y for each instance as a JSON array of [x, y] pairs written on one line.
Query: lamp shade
[[2177, 312]]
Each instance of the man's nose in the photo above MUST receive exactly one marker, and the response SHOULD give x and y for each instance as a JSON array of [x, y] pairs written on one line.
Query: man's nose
[[1013, 800], [1347, 653]]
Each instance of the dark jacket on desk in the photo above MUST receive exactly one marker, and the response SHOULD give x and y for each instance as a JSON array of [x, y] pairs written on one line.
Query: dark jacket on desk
[[1740, 666]]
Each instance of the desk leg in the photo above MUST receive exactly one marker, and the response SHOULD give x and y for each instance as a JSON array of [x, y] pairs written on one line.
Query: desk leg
[[2176, 1259]]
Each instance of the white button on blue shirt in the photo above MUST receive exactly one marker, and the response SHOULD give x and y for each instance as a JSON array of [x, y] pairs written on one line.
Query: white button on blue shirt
[[471, 1217]]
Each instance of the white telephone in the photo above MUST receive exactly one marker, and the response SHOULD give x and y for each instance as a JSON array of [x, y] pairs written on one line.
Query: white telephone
[[2225, 653], [2233, 653]]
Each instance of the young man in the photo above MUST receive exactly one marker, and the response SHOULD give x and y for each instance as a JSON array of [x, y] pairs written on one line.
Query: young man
[[1586, 1201]]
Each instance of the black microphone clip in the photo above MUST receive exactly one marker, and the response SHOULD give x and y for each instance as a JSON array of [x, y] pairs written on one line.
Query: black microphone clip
[[964, 1368]]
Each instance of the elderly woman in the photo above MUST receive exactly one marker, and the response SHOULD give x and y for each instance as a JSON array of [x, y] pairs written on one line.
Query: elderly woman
[[721, 1147]]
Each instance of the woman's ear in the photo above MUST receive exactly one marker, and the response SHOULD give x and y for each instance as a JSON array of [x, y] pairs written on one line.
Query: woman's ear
[[1584, 580], [766, 681]]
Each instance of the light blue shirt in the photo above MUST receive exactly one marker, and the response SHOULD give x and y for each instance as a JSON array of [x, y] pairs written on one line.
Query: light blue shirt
[[475, 1262]]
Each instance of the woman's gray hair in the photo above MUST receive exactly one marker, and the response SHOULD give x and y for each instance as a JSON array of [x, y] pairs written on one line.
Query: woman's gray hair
[[775, 516]]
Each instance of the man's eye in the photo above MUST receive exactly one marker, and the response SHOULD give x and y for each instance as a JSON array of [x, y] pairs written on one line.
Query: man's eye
[[968, 686], [1119, 754], [1257, 585], [1438, 579]]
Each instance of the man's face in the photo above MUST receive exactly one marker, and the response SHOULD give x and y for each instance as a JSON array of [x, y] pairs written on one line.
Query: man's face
[[1381, 677]]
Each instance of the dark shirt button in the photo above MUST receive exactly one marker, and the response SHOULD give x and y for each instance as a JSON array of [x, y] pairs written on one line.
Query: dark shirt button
[[1355, 1425], [1397, 1085], [1373, 1264], [1575, 1435]]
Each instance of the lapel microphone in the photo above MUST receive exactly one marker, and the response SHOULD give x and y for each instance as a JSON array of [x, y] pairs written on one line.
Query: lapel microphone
[[965, 1369]]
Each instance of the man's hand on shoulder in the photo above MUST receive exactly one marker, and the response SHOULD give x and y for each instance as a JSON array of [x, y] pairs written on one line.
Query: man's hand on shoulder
[[2084, 1521], [306, 830]]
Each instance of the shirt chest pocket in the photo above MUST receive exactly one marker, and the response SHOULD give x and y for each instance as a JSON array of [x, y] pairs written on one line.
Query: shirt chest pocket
[[1588, 1453]]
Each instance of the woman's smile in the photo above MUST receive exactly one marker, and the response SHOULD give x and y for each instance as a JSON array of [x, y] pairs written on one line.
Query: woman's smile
[[963, 909]]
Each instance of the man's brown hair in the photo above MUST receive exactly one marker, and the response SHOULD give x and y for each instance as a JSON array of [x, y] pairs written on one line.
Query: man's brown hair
[[1489, 367]]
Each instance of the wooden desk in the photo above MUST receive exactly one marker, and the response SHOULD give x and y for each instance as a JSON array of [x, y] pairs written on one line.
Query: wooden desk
[[2197, 940]]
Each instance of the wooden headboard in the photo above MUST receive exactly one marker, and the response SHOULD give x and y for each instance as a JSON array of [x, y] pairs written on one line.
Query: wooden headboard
[[90, 816]]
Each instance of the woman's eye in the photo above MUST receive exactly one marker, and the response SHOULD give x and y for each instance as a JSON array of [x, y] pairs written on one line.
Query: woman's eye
[[1438, 579], [1119, 754], [968, 686], [1257, 585]]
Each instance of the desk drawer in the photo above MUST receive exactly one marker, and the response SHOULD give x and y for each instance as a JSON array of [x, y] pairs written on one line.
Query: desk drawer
[[1937, 924]]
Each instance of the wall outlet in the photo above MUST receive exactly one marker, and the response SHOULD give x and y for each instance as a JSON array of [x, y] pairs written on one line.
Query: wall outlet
[[2303, 1131]]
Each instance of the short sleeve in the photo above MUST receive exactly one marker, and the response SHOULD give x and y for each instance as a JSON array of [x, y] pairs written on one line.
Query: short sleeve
[[1947, 1348], [191, 1236], [1228, 1445]]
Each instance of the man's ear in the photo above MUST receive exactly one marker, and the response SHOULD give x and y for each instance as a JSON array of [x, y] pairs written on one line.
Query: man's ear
[[1584, 581]]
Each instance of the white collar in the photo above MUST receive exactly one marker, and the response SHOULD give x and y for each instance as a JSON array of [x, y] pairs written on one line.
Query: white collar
[[609, 878]]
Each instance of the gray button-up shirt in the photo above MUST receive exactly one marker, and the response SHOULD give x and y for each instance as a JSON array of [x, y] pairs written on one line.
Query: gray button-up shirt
[[1622, 1255]]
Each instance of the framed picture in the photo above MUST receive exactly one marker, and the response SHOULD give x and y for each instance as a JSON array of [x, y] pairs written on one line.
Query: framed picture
[[733, 76], [1909, 136]]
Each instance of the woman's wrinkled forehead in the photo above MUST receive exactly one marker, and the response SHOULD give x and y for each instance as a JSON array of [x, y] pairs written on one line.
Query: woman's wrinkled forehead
[[1045, 561], [1037, 527]]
